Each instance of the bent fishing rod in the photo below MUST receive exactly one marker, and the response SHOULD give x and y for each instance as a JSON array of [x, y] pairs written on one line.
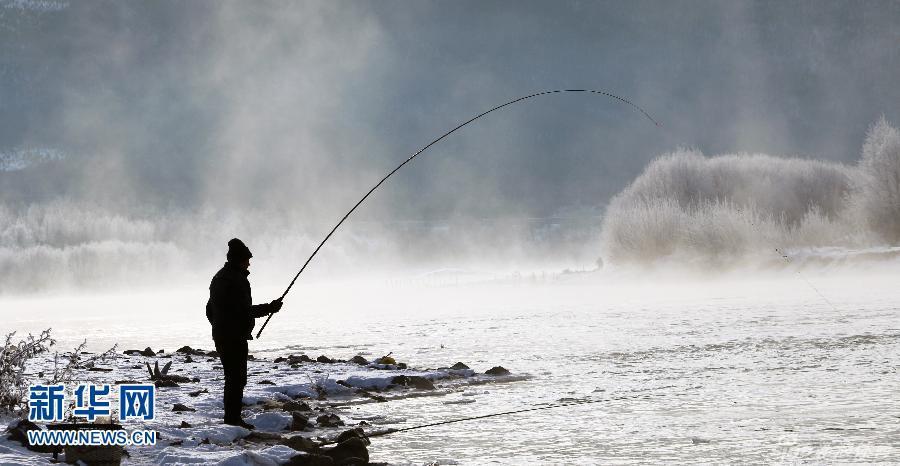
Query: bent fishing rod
[[448, 133]]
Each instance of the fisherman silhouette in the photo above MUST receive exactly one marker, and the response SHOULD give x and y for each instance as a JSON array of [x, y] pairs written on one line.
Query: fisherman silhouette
[[231, 312]]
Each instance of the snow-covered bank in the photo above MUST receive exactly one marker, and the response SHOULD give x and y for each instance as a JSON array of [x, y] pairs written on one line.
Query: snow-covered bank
[[290, 399]]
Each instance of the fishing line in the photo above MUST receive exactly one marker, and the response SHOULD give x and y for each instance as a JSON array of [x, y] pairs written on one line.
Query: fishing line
[[788, 260], [461, 125], [504, 413]]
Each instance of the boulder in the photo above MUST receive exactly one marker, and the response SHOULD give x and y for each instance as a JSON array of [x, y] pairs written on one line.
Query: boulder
[[413, 381], [295, 406], [300, 443], [329, 420], [144, 352], [261, 437], [163, 383], [459, 366], [213, 354], [355, 432], [294, 359], [19, 431], [325, 359], [359, 360], [279, 359], [350, 451], [298, 421], [187, 350], [184, 425], [497, 370]]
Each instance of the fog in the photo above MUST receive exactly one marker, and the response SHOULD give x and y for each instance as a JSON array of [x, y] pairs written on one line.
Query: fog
[[137, 138]]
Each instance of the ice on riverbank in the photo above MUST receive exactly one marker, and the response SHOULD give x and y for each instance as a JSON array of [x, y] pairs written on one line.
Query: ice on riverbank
[[291, 398]]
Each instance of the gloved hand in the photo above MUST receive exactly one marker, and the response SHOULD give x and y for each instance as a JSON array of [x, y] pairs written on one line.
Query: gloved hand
[[275, 306]]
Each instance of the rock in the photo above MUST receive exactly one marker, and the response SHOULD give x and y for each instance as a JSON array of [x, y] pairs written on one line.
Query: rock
[[257, 436], [497, 370], [299, 421], [401, 365], [158, 352], [185, 350], [294, 359], [279, 359], [251, 357], [268, 404], [329, 420], [309, 459], [296, 406], [132, 352], [178, 407], [162, 383], [148, 352], [413, 381], [459, 366], [350, 451], [184, 425], [197, 393], [386, 360], [19, 432], [300, 443], [128, 382], [213, 354], [265, 382], [188, 359], [325, 359], [355, 432], [359, 360]]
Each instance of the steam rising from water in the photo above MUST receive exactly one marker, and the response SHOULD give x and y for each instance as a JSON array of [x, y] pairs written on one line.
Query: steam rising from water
[[136, 138]]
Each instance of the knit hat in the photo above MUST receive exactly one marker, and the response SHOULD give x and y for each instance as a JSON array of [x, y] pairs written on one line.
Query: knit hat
[[237, 251]]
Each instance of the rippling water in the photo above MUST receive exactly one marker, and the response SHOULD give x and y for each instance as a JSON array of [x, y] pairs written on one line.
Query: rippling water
[[699, 371]]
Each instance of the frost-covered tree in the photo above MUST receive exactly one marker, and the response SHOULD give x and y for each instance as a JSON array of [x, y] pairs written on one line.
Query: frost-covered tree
[[877, 198]]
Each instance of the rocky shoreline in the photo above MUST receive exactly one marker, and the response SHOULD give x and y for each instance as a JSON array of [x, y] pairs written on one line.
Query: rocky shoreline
[[299, 405]]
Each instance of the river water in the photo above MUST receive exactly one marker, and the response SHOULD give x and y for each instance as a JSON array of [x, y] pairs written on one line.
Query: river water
[[790, 368]]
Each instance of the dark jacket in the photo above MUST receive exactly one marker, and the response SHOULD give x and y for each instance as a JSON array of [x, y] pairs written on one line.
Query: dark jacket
[[230, 308]]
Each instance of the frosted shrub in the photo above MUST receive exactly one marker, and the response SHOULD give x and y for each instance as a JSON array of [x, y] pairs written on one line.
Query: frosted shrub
[[13, 357], [876, 198], [717, 209]]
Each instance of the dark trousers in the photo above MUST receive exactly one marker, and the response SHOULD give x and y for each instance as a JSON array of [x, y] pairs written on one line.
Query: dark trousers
[[233, 354]]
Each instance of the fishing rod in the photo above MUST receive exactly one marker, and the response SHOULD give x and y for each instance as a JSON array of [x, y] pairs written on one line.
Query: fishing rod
[[448, 133]]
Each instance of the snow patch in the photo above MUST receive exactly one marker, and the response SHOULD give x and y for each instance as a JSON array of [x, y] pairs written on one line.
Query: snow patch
[[271, 421]]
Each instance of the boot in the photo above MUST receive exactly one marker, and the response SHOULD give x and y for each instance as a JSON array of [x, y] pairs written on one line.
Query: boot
[[240, 423]]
